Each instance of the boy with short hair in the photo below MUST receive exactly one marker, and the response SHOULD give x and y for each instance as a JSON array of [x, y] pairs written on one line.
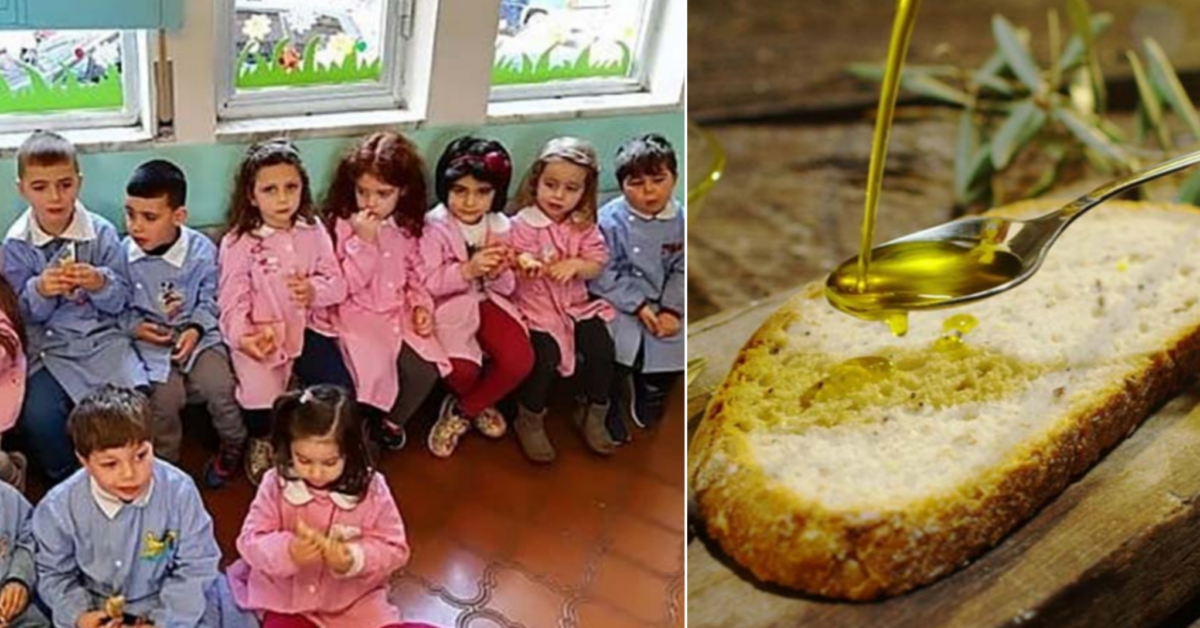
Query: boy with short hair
[[17, 573], [128, 526], [644, 279], [68, 270], [173, 316]]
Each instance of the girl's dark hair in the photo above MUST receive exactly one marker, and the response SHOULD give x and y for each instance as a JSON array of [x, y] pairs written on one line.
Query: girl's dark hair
[[12, 309], [645, 155], [391, 158], [485, 160], [245, 217], [323, 411]]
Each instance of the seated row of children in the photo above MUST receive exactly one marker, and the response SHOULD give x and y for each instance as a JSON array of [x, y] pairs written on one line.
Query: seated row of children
[[370, 291], [127, 541]]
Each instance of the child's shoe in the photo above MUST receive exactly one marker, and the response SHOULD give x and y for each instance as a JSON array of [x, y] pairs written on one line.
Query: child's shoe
[[531, 432], [646, 406], [221, 467], [450, 427], [491, 423], [618, 417], [260, 457], [591, 419], [392, 435]]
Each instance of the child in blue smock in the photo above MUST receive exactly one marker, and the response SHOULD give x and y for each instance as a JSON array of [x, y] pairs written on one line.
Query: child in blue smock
[[173, 316], [644, 279], [68, 269], [17, 609], [128, 525]]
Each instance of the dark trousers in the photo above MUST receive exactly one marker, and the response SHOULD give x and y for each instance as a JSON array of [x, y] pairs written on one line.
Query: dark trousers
[[43, 425], [319, 363], [594, 360]]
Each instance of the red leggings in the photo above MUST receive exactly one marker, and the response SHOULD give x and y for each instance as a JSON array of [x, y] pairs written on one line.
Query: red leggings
[[275, 620], [510, 357]]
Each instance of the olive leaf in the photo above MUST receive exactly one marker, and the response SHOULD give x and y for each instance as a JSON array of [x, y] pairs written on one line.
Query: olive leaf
[[1080, 14], [1166, 81], [1021, 126], [918, 82], [1017, 54], [1073, 54], [1091, 137], [1150, 107]]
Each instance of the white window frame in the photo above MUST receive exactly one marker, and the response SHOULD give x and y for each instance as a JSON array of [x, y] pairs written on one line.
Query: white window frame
[[135, 112], [388, 93], [638, 81]]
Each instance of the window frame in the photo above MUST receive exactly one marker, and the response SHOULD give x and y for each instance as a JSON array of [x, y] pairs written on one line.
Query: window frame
[[135, 111], [391, 92], [639, 80]]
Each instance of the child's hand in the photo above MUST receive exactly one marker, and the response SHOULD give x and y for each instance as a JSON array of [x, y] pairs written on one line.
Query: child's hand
[[302, 289], [338, 557], [185, 345], [365, 225], [422, 322], [258, 344], [54, 282], [649, 319], [668, 324], [485, 261], [85, 276], [96, 619], [563, 271], [14, 597], [153, 333], [304, 550], [528, 265]]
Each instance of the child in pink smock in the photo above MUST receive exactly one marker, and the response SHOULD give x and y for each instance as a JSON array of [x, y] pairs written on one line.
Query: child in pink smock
[[375, 211], [558, 248], [12, 380], [467, 262], [279, 279], [323, 535]]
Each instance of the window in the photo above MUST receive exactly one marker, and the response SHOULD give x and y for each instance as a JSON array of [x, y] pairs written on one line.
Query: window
[[571, 47], [288, 57], [70, 78]]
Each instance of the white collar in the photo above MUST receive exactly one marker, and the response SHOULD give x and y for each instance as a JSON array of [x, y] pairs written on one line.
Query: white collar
[[175, 256], [27, 228], [535, 217], [496, 222], [668, 213], [297, 494], [111, 504]]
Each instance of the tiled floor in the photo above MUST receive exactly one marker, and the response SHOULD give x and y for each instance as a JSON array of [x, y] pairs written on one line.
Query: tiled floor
[[499, 543]]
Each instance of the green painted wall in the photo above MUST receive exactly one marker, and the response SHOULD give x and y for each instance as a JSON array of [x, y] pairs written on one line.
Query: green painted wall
[[210, 168]]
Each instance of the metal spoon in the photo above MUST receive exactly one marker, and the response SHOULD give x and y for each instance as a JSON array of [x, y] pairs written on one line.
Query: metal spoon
[[966, 259]]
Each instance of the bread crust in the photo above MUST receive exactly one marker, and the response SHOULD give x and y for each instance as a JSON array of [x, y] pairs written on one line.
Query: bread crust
[[783, 538]]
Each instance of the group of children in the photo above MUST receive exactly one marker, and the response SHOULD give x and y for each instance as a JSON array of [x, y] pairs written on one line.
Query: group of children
[[365, 302]]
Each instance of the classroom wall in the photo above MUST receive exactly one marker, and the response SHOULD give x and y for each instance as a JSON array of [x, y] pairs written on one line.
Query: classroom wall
[[210, 168]]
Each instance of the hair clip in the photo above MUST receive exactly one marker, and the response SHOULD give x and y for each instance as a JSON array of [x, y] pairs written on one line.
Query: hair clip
[[306, 397], [493, 161], [571, 149], [280, 144]]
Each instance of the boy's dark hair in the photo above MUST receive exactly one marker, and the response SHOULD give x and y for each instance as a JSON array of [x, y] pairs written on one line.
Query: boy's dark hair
[[644, 155], [12, 309], [244, 217], [45, 148], [485, 160], [109, 417], [318, 411], [158, 178], [391, 158]]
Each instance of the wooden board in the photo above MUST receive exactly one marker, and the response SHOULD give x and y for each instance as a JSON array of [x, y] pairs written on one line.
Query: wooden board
[[1120, 547], [773, 58]]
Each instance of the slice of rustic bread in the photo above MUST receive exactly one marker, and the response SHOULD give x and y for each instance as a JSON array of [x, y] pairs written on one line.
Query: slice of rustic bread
[[845, 462]]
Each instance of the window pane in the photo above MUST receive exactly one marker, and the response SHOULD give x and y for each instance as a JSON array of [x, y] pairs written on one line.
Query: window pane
[[307, 42], [555, 40], [43, 71]]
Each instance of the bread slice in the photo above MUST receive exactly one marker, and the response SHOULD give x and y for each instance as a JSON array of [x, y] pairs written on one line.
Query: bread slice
[[848, 463]]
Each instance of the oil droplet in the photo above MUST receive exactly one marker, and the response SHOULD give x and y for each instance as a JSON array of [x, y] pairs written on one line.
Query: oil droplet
[[953, 330], [847, 377]]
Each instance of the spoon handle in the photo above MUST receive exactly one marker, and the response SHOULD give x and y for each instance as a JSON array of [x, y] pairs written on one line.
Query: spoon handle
[[1109, 190]]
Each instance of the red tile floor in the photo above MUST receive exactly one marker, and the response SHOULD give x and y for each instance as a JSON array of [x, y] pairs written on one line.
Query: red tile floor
[[497, 542]]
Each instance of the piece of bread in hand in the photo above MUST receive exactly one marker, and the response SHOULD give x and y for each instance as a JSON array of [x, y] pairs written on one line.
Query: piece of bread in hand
[[842, 461]]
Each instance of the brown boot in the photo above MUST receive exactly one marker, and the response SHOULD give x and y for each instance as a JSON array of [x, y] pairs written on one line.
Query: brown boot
[[531, 432], [591, 419]]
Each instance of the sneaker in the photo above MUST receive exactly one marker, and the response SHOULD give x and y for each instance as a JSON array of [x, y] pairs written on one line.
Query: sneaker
[[646, 403], [221, 467], [450, 427], [491, 423], [260, 457], [392, 435]]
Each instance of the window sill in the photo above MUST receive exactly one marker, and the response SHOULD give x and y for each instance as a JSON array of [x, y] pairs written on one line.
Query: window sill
[[315, 126], [102, 140], [567, 108]]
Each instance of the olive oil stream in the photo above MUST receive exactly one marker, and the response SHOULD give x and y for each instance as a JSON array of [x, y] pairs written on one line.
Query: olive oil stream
[[907, 275]]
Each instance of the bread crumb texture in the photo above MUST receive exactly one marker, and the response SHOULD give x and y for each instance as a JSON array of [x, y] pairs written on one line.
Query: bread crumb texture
[[843, 461]]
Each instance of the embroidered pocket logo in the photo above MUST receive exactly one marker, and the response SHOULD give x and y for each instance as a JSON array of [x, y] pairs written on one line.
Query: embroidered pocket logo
[[156, 548]]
